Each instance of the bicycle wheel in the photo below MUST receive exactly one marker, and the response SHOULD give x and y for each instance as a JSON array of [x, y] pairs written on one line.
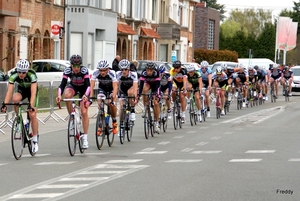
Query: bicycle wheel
[[122, 127], [151, 123], [203, 114], [100, 131], [192, 112], [72, 141], [146, 124], [108, 132], [17, 138], [179, 117], [130, 131], [175, 116]]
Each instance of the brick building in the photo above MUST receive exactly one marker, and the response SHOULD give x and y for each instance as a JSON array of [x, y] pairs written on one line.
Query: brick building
[[207, 27]]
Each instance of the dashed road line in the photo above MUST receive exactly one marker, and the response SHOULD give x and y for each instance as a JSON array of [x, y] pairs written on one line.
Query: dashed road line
[[245, 160], [56, 163], [227, 133], [202, 143], [187, 150], [203, 127], [164, 142], [179, 137], [294, 160], [215, 138], [184, 161], [260, 151], [191, 132], [207, 152]]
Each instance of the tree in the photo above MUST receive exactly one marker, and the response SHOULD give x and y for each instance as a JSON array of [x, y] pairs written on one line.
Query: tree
[[230, 27], [219, 7]]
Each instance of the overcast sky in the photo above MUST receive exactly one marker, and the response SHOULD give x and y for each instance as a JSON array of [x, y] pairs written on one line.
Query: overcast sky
[[275, 5]]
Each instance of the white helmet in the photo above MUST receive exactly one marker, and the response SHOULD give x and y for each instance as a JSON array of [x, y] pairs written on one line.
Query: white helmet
[[219, 70], [22, 65], [124, 64], [102, 64], [204, 64], [250, 67], [190, 68], [223, 66]]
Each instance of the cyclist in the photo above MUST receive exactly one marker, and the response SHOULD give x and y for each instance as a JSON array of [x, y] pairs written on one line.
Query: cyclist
[[220, 80], [230, 71], [166, 86], [107, 84], [206, 75], [287, 74], [79, 84], [195, 82], [128, 84], [262, 79], [150, 80], [252, 73], [275, 75], [179, 78], [27, 88], [242, 80]]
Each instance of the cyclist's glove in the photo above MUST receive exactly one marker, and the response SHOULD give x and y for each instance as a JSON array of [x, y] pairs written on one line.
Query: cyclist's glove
[[3, 108]]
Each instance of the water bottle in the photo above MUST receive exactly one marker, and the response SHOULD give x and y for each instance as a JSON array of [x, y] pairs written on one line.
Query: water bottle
[[26, 124], [106, 118]]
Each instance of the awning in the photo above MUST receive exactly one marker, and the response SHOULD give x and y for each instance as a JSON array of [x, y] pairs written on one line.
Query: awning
[[149, 33], [125, 29]]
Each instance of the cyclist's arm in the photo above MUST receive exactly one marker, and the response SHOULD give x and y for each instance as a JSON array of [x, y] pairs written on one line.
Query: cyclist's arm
[[184, 82], [87, 85], [115, 90], [141, 85], [33, 90], [200, 84], [62, 86], [92, 87], [209, 80], [135, 88], [169, 87]]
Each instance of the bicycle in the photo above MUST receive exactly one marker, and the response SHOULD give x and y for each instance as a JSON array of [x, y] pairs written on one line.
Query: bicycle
[[163, 116], [75, 131], [203, 103], [218, 103], [176, 111], [126, 125], [103, 123], [193, 108], [239, 101], [148, 119], [20, 132], [286, 91], [272, 92]]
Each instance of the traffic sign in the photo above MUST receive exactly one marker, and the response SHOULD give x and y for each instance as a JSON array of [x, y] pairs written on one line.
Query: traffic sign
[[55, 28]]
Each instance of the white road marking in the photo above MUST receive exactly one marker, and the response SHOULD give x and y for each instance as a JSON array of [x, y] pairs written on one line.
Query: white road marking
[[55, 163], [207, 152], [101, 172], [148, 149], [37, 155], [294, 160], [179, 137], [183, 161], [259, 151], [187, 150], [59, 186], [37, 195], [215, 138], [1, 164], [164, 143], [202, 143], [191, 132], [215, 124], [245, 160], [203, 127], [83, 179], [96, 154], [151, 152], [124, 161], [227, 133]]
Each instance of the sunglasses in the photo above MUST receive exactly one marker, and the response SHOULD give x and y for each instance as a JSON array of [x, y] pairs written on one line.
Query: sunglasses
[[76, 66], [103, 70], [124, 69], [176, 67], [22, 72]]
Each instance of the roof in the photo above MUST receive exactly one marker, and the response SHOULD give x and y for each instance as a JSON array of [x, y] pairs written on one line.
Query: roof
[[149, 33], [125, 29]]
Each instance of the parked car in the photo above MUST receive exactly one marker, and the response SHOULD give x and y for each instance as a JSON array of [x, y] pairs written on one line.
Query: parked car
[[229, 63], [142, 64], [296, 82], [49, 69], [196, 65]]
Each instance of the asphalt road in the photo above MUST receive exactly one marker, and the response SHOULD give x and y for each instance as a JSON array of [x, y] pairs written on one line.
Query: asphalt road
[[250, 154]]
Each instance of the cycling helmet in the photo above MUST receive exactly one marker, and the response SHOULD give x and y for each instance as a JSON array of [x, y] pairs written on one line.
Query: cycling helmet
[[176, 64], [22, 65], [190, 68], [219, 70], [286, 68], [76, 59], [250, 67], [223, 66], [204, 64], [102, 64], [124, 64], [256, 67], [162, 68], [275, 65], [150, 65]]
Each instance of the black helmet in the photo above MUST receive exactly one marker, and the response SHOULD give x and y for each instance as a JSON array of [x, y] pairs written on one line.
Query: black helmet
[[256, 67], [76, 59], [176, 64], [150, 65]]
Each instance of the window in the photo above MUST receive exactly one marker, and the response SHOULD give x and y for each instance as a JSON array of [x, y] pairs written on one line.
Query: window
[[58, 2], [211, 34], [154, 2], [129, 8]]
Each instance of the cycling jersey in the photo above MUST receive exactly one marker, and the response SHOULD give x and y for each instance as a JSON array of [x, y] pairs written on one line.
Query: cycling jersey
[[178, 77], [152, 80], [287, 74], [205, 74], [165, 82], [261, 74], [221, 79], [105, 83], [252, 73], [126, 82], [194, 79], [23, 83], [79, 82], [275, 73]]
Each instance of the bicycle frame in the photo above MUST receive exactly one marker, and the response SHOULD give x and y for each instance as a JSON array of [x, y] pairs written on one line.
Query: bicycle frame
[[218, 102], [125, 124], [176, 110]]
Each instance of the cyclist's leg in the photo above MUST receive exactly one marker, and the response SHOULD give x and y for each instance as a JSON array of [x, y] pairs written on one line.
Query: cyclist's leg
[[290, 86], [69, 92], [146, 88]]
